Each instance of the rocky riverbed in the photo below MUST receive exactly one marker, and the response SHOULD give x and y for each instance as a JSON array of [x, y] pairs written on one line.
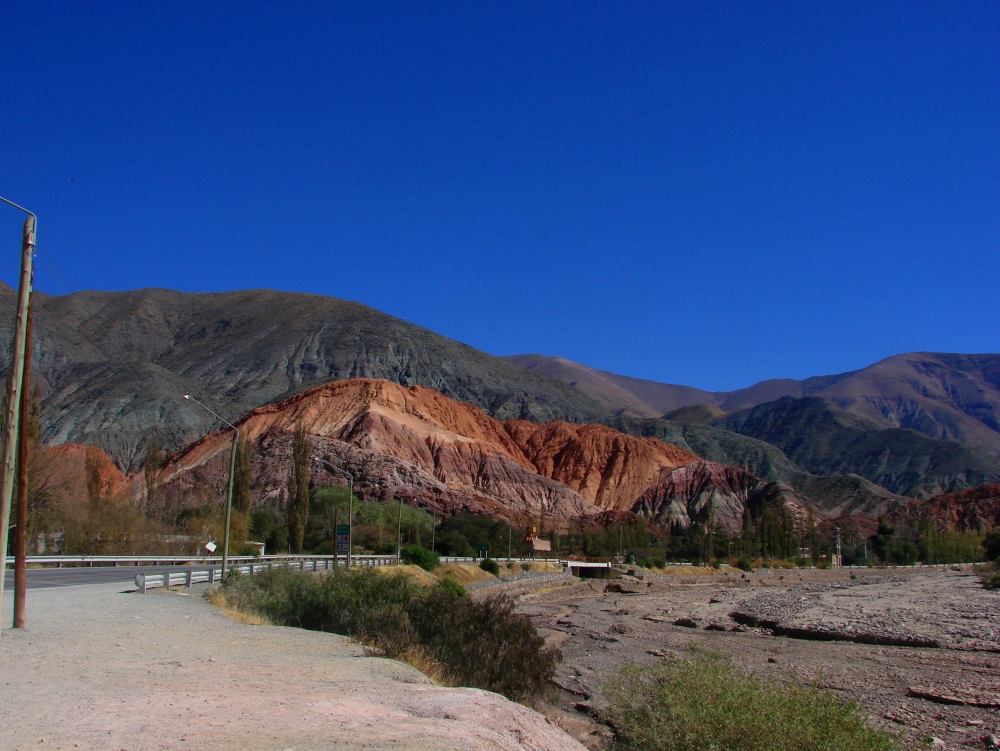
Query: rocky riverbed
[[918, 648]]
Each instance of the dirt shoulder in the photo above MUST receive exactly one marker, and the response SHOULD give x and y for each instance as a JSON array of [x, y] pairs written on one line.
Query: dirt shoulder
[[104, 669]]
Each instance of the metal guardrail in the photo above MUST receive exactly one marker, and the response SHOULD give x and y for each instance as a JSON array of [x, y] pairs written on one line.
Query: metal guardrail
[[161, 560], [213, 574], [189, 560]]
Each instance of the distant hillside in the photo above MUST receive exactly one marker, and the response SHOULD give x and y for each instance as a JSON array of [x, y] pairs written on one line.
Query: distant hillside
[[114, 366], [824, 439], [950, 397]]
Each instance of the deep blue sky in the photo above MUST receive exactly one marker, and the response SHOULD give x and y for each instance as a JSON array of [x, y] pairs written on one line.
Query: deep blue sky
[[702, 193]]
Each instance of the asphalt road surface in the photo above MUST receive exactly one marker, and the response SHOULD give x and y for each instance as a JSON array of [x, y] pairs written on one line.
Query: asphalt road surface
[[45, 578]]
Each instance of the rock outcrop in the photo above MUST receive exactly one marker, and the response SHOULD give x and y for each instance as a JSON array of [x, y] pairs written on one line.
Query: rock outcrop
[[685, 495], [608, 468]]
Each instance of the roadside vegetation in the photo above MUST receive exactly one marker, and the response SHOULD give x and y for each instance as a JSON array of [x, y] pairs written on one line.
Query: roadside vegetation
[[706, 704], [454, 639]]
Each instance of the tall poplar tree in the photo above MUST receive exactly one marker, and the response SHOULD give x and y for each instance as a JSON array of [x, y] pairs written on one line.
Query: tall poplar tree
[[298, 489], [241, 479]]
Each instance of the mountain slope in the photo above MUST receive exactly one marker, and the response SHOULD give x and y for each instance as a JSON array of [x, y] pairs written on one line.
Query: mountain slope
[[827, 440], [416, 444], [944, 396], [517, 468], [114, 366]]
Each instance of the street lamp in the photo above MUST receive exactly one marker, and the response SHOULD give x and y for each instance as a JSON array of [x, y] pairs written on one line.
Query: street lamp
[[232, 471]]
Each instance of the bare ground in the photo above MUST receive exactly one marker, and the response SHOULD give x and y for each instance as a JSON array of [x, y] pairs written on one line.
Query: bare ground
[[107, 670]]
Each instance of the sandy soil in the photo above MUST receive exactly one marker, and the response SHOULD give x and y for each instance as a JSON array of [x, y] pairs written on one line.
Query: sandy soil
[[905, 688], [107, 670]]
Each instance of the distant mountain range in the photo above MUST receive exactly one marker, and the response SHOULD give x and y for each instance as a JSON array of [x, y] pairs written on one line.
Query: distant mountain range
[[916, 424], [944, 396], [113, 368]]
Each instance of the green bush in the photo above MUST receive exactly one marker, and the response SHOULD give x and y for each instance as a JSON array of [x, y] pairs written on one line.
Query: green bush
[[707, 704], [426, 559], [481, 644], [991, 545], [454, 588], [490, 566], [744, 564]]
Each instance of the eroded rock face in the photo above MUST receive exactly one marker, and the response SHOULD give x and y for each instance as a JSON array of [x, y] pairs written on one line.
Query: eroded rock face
[[417, 444], [683, 496], [976, 508], [448, 449], [606, 467]]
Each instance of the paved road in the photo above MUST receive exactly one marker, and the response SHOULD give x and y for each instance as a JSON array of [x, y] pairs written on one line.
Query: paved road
[[45, 578]]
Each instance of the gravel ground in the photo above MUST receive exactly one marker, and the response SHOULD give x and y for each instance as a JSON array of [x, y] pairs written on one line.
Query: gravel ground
[[104, 669], [918, 692]]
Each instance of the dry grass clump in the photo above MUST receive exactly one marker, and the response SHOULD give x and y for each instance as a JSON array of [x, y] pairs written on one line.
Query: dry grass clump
[[412, 572], [461, 573], [216, 596], [706, 704]]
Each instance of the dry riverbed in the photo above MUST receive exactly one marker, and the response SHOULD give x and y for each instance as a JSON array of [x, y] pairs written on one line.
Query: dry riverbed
[[820, 627]]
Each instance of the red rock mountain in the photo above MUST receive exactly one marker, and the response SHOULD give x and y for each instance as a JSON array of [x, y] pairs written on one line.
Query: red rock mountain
[[974, 509], [415, 443]]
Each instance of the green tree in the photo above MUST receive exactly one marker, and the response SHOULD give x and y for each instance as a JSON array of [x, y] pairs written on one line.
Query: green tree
[[298, 489], [151, 470], [813, 539], [641, 533], [241, 477]]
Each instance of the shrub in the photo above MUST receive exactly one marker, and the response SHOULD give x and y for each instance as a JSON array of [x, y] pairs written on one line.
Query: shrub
[[526, 567], [482, 644], [490, 566], [991, 545], [706, 703], [744, 564], [454, 588], [428, 560]]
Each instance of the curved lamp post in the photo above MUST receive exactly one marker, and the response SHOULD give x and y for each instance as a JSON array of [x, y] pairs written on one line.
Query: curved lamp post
[[232, 471], [15, 387]]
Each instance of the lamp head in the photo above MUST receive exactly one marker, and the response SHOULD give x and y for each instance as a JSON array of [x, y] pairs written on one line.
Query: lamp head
[[187, 396]]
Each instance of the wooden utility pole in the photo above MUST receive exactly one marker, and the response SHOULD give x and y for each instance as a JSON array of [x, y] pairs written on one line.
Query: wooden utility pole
[[15, 385], [21, 531]]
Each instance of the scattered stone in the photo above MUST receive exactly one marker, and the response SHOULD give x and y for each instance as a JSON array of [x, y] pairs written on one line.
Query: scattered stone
[[992, 741], [686, 622], [772, 659], [658, 653], [653, 619], [715, 627], [938, 743]]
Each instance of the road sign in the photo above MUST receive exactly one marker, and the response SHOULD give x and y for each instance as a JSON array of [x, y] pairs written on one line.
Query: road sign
[[210, 547], [343, 538], [483, 551]]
